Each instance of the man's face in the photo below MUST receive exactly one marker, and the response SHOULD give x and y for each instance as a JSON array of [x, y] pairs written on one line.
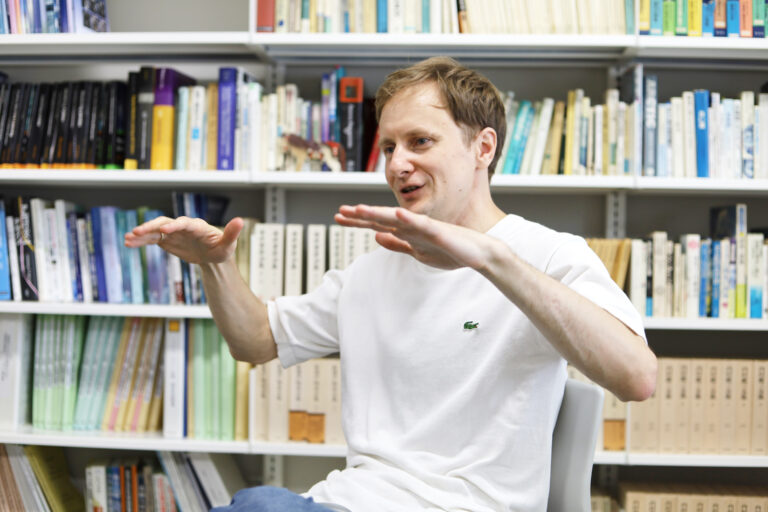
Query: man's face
[[429, 166]]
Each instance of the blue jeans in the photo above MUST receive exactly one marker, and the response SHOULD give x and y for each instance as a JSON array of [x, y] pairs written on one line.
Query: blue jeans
[[270, 499]]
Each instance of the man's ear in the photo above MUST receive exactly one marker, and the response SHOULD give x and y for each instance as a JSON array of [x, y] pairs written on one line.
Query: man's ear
[[485, 144]]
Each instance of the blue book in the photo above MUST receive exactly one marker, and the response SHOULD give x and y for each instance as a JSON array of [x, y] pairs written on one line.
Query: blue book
[[97, 267], [229, 80], [5, 267], [37, 19], [732, 18], [122, 250], [701, 109], [157, 268], [716, 262], [425, 28], [656, 18], [705, 290], [708, 18], [381, 16], [520, 148], [65, 17], [333, 109], [650, 117], [517, 134], [4, 25], [629, 16], [114, 492], [758, 22], [74, 257], [52, 16], [136, 274]]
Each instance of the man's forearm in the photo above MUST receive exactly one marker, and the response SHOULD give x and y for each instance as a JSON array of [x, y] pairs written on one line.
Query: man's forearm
[[240, 316], [586, 335]]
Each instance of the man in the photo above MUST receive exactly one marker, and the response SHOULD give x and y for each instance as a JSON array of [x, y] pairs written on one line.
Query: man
[[453, 338]]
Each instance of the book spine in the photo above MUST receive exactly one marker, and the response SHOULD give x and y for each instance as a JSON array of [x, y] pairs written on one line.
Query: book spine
[[5, 268], [649, 138], [694, 18], [745, 16], [708, 18], [732, 18], [721, 26], [227, 116], [351, 119], [701, 106], [145, 105], [681, 18], [655, 17]]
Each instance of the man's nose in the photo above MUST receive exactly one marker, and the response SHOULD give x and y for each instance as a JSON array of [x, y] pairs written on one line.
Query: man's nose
[[401, 162]]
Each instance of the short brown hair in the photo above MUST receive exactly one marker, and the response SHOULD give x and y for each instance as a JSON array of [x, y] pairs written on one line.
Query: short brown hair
[[472, 100]]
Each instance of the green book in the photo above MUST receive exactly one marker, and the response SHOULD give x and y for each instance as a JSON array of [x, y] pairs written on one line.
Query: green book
[[228, 372], [214, 378], [201, 386], [48, 372], [37, 374], [668, 17], [72, 356], [85, 385], [681, 18], [114, 330], [57, 367]]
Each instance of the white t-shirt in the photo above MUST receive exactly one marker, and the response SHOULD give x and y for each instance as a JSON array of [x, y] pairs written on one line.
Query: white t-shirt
[[439, 415]]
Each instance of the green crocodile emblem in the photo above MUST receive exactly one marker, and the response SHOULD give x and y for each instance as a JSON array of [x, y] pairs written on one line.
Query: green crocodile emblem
[[468, 326]]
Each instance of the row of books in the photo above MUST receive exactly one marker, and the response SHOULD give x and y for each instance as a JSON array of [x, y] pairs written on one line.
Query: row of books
[[674, 497], [700, 135], [53, 16], [447, 16], [722, 276], [703, 18], [570, 137], [715, 406], [127, 484]]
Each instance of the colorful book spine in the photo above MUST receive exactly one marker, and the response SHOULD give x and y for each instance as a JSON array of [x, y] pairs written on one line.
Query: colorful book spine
[[650, 97], [708, 18], [656, 18], [167, 82], [351, 121], [668, 17], [681, 18], [705, 289], [732, 18], [381, 16], [745, 15], [758, 18], [701, 108], [644, 18], [721, 26], [5, 267], [694, 18]]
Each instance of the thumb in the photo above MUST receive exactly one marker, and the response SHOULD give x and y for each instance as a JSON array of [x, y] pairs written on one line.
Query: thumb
[[232, 231]]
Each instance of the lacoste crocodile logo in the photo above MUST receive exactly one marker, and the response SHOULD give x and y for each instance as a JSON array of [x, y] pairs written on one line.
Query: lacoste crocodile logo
[[468, 326]]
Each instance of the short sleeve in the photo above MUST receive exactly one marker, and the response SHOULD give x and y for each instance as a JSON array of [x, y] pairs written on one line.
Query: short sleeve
[[574, 264], [306, 326]]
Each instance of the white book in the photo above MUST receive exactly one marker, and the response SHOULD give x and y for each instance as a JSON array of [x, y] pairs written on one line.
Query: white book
[[29, 487], [254, 161], [277, 400], [294, 264], [678, 141], [258, 261], [53, 256], [610, 154], [597, 113], [40, 240], [258, 410], [196, 128], [84, 257], [453, 17], [661, 141], [748, 134], [16, 340], [542, 130], [335, 247], [691, 249], [761, 137], [275, 263], [395, 16], [411, 10], [96, 487], [181, 128], [715, 118], [755, 275], [219, 476], [638, 275], [659, 259], [316, 265], [66, 266], [737, 141], [269, 113], [525, 165], [436, 16], [678, 309], [13, 258], [725, 306], [174, 381], [334, 433], [621, 138]]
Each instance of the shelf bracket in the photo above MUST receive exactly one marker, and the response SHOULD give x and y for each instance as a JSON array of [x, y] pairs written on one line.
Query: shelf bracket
[[616, 214], [275, 205]]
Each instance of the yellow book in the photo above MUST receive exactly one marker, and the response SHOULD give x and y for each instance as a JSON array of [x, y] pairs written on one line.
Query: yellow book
[[694, 18], [570, 130], [241, 400], [163, 121], [154, 422], [554, 140], [191, 374], [50, 468], [212, 127], [141, 394], [130, 367], [124, 337], [128, 401], [644, 18]]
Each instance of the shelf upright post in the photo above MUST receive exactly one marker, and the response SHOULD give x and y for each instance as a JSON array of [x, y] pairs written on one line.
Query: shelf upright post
[[275, 205], [616, 214]]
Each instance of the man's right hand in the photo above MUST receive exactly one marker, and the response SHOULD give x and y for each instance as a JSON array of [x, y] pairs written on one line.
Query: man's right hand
[[192, 240]]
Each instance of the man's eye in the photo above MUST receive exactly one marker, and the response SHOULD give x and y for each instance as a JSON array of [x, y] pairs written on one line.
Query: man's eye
[[388, 150], [421, 141]]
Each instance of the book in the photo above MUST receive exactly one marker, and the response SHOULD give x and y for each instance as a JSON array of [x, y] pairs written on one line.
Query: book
[[351, 119], [230, 78], [145, 112], [167, 83], [50, 467]]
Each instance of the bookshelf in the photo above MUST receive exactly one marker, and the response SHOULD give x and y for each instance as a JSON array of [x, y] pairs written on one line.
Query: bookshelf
[[556, 64]]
